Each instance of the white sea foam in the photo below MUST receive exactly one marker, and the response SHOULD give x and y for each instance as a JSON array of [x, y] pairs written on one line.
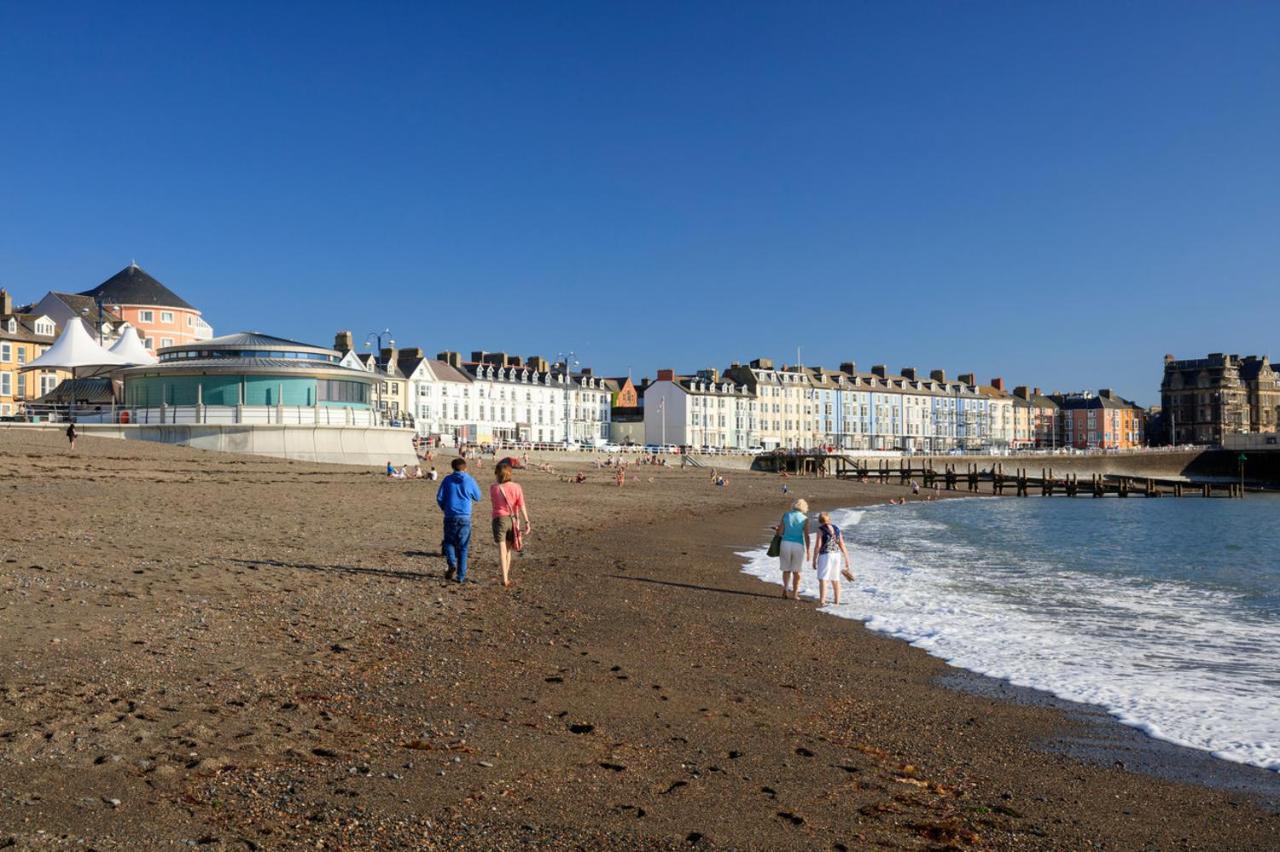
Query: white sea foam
[[1182, 662]]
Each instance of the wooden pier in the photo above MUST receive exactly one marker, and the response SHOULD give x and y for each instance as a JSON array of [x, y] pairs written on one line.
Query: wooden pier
[[1018, 481]]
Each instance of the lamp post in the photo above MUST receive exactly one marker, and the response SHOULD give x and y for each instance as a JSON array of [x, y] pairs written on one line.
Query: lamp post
[[568, 360], [378, 336], [1243, 458]]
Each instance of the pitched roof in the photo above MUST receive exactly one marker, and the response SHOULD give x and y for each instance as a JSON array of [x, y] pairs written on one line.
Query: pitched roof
[[86, 307], [133, 286]]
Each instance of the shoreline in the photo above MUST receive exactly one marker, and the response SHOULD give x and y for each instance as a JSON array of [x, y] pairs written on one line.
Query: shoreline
[[1110, 740], [275, 660]]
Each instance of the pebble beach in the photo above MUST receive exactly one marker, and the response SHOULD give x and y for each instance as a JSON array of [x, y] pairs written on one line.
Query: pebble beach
[[237, 652]]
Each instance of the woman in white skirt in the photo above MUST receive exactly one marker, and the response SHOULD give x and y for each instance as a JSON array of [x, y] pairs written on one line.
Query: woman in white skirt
[[827, 559], [794, 551]]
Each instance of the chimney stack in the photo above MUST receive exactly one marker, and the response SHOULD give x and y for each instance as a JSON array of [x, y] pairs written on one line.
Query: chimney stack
[[6, 303], [1106, 393], [849, 367], [909, 373], [453, 359], [762, 364], [477, 356], [1021, 392], [388, 356], [343, 341], [939, 376], [1036, 392], [967, 379], [880, 370], [998, 383], [536, 362], [666, 375]]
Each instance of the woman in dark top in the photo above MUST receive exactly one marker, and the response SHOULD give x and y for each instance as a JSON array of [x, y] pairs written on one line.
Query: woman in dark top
[[827, 559]]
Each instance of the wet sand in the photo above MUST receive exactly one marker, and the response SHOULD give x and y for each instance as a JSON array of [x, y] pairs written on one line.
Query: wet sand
[[248, 653]]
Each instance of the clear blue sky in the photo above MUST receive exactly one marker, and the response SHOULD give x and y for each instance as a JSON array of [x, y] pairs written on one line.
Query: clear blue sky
[[1054, 193]]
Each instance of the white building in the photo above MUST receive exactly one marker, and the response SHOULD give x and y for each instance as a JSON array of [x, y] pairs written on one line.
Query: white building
[[703, 410], [496, 398]]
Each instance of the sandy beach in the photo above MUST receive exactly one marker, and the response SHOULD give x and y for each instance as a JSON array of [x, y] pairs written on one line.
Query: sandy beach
[[246, 653]]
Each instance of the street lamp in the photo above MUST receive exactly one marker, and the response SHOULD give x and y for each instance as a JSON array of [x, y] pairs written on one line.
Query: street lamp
[[378, 336], [568, 360]]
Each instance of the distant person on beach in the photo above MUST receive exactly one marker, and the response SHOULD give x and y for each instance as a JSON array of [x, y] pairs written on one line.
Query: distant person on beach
[[72, 434], [915, 488], [507, 498], [433, 474], [825, 561], [794, 529], [455, 495]]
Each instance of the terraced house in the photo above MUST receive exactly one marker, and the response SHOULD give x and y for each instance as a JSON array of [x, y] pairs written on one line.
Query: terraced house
[[1101, 421], [24, 336]]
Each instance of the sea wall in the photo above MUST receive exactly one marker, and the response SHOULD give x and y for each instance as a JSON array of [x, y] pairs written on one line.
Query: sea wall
[[355, 445]]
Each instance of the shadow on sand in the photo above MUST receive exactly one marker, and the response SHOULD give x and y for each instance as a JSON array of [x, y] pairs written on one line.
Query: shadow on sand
[[692, 586], [338, 569]]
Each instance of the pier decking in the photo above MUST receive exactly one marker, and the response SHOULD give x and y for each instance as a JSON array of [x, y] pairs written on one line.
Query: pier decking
[[1019, 481]]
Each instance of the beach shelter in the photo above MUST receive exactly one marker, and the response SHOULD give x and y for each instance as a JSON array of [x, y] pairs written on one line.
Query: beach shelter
[[130, 346], [74, 349]]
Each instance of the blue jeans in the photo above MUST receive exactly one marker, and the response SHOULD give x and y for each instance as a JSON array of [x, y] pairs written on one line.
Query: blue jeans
[[457, 540]]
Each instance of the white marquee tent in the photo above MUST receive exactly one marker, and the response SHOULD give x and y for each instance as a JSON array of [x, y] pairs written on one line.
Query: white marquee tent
[[74, 348], [130, 347]]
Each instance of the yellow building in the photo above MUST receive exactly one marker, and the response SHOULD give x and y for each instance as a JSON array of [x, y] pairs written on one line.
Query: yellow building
[[24, 336]]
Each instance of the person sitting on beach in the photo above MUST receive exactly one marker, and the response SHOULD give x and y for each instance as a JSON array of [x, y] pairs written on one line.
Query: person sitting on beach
[[455, 495], [580, 478], [794, 529], [830, 544], [391, 469], [417, 471], [433, 474]]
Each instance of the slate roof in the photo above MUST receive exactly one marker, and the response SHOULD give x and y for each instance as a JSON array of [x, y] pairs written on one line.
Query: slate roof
[[25, 331], [86, 307], [133, 286]]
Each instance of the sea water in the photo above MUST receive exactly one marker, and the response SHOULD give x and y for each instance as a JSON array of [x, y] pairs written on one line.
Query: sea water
[[1165, 612]]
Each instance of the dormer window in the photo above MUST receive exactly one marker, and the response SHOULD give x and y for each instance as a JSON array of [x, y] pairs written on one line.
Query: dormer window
[[44, 326], [11, 326]]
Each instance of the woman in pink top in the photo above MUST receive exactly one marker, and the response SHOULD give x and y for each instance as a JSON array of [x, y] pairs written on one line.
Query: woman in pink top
[[507, 498]]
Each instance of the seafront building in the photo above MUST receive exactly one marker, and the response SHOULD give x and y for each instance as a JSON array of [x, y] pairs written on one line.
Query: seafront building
[[491, 397], [1101, 421], [699, 410], [248, 378], [160, 316], [1203, 400], [24, 336], [758, 405]]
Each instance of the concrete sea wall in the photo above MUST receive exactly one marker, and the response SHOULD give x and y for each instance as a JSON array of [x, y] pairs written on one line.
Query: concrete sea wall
[[367, 446]]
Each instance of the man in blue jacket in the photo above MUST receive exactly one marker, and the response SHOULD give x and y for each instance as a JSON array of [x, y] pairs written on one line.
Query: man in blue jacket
[[456, 494]]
